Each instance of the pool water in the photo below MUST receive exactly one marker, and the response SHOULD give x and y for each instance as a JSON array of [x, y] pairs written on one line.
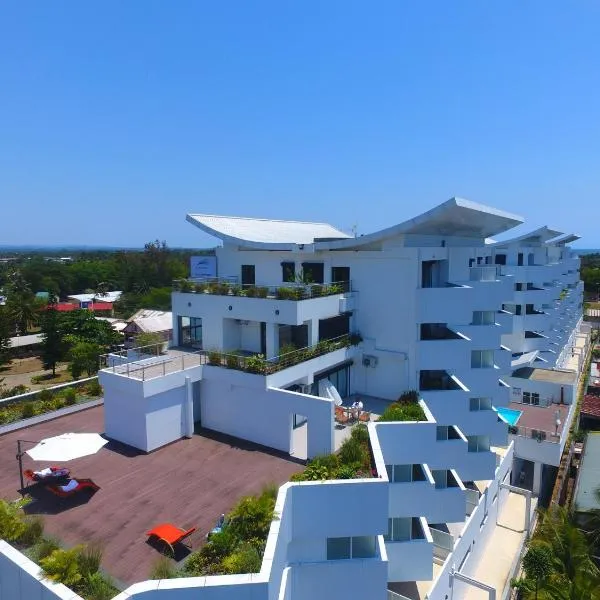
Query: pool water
[[510, 415]]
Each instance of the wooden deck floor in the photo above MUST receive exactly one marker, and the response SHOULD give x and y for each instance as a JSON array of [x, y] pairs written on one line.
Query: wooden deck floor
[[189, 483]]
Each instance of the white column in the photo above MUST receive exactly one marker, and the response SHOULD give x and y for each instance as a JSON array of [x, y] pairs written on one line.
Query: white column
[[313, 332], [175, 337], [272, 339], [188, 409], [537, 478]]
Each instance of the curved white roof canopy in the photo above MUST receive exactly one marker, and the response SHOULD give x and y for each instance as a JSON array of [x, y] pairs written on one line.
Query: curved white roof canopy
[[264, 233], [564, 239], [542, 234], [455, 217]]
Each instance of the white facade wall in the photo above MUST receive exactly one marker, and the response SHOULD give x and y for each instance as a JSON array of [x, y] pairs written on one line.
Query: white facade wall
[[239, 404], [22, 579]]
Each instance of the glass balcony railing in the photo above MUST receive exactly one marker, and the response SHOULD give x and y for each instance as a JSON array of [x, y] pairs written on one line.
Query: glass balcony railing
[[257, 363], [283, 291]]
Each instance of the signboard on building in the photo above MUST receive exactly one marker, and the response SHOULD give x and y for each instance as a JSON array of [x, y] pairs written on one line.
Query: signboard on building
[[203, 267]]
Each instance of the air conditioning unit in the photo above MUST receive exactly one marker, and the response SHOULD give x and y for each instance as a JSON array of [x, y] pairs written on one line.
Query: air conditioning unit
[[369, 361]]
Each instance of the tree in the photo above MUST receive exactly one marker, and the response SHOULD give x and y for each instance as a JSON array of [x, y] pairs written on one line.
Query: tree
[[5, 331], [53, 346], [84, 356], [537, 564], [148, 339]]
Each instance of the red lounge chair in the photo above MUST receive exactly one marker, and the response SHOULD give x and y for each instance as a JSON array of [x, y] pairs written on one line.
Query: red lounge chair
[[82, 484], [169, 534], [57, 474]]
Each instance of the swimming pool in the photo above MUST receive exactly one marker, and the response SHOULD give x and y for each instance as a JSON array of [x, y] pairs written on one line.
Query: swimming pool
[[510, 415]]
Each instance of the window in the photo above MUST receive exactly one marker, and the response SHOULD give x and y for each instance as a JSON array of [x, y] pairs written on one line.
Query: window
[[441, 478], [482, 359], [405, 473], [313, 272], [399, 530], [519, 287], [441, 432], [532, 398], [500, 259], [248, 275], [483, 317], [190, 332], [343, 548], [341, 276], [478, 443], [288, 272], [476, 404], [404, 529]]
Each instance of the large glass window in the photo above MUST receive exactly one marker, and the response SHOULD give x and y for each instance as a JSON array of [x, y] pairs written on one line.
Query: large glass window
[[351, 547], [482, 359], [399, 529], [340, 378], [483, 317], [190, 332], [480, 404], [478, 443], [531, 398], [288, 274]]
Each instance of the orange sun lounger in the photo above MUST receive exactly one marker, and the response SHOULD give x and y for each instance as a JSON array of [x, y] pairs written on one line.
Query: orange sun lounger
[[82, 484], [169, 534]]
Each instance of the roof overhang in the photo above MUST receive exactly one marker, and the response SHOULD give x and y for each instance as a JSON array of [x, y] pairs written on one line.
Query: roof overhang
[[541, 235], [454, 218], [265, 234], [564, 239]]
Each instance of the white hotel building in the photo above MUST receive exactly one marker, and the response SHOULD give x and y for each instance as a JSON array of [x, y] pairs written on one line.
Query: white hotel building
[[433, 304]]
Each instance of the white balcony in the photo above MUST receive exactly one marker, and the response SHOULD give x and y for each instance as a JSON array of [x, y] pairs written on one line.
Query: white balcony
[[411, 560], [269, 309], [535, 274], [438, 501], [443, 354], [483, 337]]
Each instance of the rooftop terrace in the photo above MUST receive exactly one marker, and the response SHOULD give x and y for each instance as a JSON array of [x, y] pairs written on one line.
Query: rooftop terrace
[[189, 483], [541, 418], [566, 377]]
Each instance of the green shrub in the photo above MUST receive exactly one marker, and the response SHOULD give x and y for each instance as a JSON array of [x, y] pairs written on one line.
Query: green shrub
[[256, 364], [262, 292], [89, 559], [28, 410], [62, 566], [329, 461], [346, 472], [403, 412], [43, 548], [33, 531], [251, 517], [70, 396], [360, 433], [12, 526], [214, 357], [410, 397], [45, 395], [207, 560], [232, 361], [94, 389], [351, 452], [98, 587], [163, 568], [244, 560]]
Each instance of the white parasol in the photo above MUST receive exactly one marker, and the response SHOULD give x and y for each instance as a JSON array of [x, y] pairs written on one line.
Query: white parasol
[[67, 446]]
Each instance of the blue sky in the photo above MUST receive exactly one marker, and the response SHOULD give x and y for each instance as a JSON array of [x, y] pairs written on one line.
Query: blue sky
[[118, 118]]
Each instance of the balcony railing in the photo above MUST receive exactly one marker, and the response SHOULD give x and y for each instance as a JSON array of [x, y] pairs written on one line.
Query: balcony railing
[[283, 291], [258, 364], [536, 434], [484, 273]]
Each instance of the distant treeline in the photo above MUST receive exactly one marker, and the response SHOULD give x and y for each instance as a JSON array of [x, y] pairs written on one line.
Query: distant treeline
[[590, 272], [144, 275]]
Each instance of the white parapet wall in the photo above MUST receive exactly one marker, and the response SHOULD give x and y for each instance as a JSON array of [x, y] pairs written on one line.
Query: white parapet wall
[[22, 579], [468, 548]]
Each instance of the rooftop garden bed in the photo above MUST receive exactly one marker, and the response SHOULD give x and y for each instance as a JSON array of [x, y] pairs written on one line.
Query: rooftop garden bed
[[48, 401], [77, 568], [406, 408], [289, 291], [257, 363]]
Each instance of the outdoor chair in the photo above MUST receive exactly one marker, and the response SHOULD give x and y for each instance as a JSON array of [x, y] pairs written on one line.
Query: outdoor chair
[[364, 417], [340, 416], [72, 490], [169, 534], [49, 475]]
